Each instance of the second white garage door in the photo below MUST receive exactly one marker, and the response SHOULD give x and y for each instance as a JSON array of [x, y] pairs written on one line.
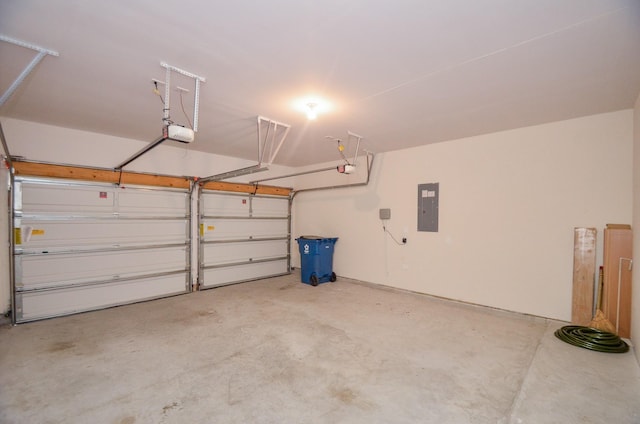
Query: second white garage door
[[242, 237]]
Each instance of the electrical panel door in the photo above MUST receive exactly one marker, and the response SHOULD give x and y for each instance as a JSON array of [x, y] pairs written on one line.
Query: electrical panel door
[[428, 195]]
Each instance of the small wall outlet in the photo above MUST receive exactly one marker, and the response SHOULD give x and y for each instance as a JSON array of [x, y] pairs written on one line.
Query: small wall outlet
[[385, 213]]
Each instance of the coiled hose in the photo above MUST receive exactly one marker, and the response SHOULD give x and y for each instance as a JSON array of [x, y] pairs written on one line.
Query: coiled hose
[[592, 339]]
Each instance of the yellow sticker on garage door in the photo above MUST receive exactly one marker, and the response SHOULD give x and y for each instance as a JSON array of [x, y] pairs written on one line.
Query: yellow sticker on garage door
[[37, 232], [207, 228]]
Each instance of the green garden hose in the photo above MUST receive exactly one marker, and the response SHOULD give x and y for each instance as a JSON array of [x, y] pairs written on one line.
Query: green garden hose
[[592, 339]]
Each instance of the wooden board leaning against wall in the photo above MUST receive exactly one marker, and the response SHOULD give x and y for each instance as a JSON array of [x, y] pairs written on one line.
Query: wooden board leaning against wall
[[618, 251], [112, 176]]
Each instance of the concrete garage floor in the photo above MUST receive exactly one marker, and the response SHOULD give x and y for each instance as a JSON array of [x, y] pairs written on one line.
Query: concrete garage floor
[[278, 351]]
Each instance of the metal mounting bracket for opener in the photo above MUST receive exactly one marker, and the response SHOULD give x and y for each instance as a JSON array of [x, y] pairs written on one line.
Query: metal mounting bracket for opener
[[271, 136], [42, 52], [167, 92]]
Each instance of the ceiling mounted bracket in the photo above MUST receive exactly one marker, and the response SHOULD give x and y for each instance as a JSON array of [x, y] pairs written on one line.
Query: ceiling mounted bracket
[[271, 137], [167, 92], [42, 52], [351, 135], [348, 167], [169, 131]]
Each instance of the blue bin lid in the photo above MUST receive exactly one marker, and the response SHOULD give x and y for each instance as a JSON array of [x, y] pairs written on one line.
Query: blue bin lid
[[317, 239]]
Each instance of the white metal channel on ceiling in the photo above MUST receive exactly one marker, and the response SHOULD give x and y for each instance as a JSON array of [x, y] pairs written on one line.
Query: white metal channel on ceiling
[[85, 246], [242, 237]]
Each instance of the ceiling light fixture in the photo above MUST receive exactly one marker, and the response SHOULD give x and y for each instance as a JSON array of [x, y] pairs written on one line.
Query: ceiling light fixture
[[312, 113], [312, 106]]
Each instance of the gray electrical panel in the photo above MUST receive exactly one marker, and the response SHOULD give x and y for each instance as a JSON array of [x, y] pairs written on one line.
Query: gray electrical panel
[[428, 195], [385, 213]]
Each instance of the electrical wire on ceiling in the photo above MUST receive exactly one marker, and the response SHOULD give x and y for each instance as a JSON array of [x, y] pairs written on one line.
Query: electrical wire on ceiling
[[156, 91], [165, 109], [183, 111], [341, 150], [164, 105]]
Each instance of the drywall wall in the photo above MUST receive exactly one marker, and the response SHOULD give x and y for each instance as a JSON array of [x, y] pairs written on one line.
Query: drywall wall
[[635, 292], [509, 202]]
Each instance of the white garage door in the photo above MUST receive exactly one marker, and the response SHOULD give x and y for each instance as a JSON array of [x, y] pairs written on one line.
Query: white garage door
[[242, 237], [84, 246]]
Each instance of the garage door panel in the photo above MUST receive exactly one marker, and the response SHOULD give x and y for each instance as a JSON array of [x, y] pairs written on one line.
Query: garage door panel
[[134, 202], [269, 207], [40, 271], [219, 204], [75, 233], [221, 253], [234, 274], [39, 305], [241, 229], [76, 200], [66, 199]]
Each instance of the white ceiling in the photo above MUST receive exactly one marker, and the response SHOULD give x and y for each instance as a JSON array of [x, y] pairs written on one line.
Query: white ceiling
[[400, 73]]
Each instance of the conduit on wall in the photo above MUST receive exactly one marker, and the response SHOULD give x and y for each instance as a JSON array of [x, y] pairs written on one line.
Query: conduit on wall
[[347, 168], [370, 156]]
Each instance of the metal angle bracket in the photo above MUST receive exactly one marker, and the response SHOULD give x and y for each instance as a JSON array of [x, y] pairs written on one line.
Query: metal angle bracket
[[350, 135], [270, 139], [167, 92], [165, 118], [359, 138], [271, 136], [42, 52]]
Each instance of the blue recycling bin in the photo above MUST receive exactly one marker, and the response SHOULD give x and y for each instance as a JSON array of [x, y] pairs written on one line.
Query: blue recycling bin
[[316, 259]]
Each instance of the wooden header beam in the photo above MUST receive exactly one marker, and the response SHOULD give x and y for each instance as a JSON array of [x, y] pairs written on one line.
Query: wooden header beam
[[112, 176], [247, 188], [99, 175]]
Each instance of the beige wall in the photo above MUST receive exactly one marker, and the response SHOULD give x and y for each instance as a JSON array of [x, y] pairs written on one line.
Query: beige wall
[[508, 204], [635, 294]]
